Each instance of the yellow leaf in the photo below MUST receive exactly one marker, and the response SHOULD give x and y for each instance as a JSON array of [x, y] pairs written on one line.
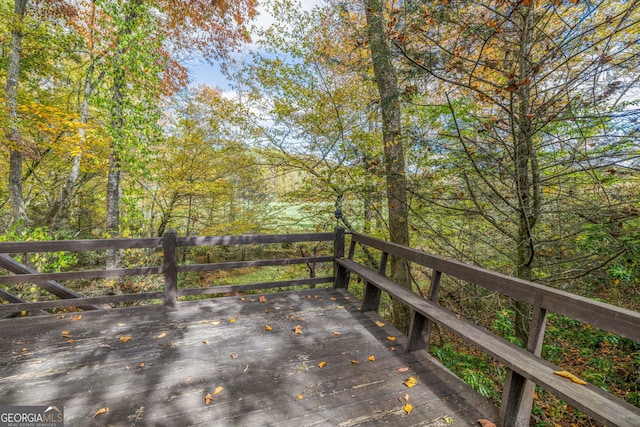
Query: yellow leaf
[[71, 340], [297, 329], [408, 408], [333, 299], [336, 333], [268, 328], [411, 382], [354, 361], [232, 320], [372, 358], [67, 334], [322, 365], [205, 342], [125, 338], [300, 397], [218, 390], [141, 365], [448, 420], [569, 375], [101, 411], [208, 398], [77, 317], [162, 335], [390, 338], [379, 323]]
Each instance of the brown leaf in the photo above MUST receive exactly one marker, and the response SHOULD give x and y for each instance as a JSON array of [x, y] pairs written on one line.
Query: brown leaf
[[208, 399], [404, 369], [262, 298], [297, 329], [141, 365], [71, 341], [125, 338], [101, 411], [234, 356], [336, 333], [354, 361], [77, 317], [205, 342], [67, 334], [485, 423]]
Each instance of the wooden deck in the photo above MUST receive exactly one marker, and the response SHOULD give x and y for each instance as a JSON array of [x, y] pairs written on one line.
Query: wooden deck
[[176, 357]]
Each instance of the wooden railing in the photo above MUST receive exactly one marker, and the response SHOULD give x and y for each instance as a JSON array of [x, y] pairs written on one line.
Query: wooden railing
[[525, 367], [170, 269]]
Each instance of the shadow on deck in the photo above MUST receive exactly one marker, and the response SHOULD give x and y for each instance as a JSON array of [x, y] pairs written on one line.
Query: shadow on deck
[[176, 357]]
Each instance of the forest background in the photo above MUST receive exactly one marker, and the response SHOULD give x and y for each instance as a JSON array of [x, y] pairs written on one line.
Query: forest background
[[500, 133]]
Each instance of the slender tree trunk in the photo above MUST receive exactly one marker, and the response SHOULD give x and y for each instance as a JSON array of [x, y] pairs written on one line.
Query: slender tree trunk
[[387, 82], [16, 145]]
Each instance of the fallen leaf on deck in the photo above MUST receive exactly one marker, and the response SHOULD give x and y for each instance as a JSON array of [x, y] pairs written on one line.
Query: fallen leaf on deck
[[379, 323], [122, 324], [292, 317], [62, 316], [234, 356], [372, 358], [392, 348], [162, 335], [208, 398], [333, 299], [486, 423], [297, 329], [101, 411], [215, 322], [300, 397], [406, 397], [411, 382], [267, 311], [322, 365], [336, 333], [390, 338], [354, 361], [67, 334], [339, 306], [141, 365], [308, 296], [404, 369], [268, 328], [315, 296], [125, 338], [205, 342], [71, 340], [262, 298], [232, 320], [218, 390], [569, 375], [77, 317], [408, 408], [25, 349], [448, 420], [242, 298]]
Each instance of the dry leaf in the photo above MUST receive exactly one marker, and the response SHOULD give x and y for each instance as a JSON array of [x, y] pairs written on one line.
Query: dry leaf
[[322, 365], [67, 334], [62, 316], [406, 397], [372, 358], [404, 369], [25, 349], [336, 333], [354, 361], [308, 296], [392, 348], [232, 320], [101, 411], [218, 390], [205, 342], [234, 356], [71, 340], [315, 296], [77, 317], [411, 382], [339, 306], [408, 408], [268, 328], [125, 338], [162, 335], [297, 329], [379, 323], [333, 299], [300, 397], [262, 298], [486, 423], [569, 375], [390, 338], [208, 398], [242, 298]]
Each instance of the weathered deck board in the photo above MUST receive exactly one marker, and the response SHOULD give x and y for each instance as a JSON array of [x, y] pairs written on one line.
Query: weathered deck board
[[187, 353]]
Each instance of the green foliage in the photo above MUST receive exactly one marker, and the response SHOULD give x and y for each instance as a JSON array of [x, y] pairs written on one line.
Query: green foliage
[[49, 262]]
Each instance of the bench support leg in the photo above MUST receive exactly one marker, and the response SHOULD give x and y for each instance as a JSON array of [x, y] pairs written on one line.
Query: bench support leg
[[416, 340], [371, 300]]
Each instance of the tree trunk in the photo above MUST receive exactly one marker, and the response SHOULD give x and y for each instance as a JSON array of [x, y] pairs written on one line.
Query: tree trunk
[[387, 82], [16, 145]]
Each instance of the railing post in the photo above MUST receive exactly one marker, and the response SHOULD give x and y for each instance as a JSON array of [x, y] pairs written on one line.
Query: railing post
[[371, 299], [170, 268], [517, 396], [341, 274]]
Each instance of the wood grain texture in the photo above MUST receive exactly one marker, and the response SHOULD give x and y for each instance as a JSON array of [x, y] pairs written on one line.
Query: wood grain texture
[[176, 357]]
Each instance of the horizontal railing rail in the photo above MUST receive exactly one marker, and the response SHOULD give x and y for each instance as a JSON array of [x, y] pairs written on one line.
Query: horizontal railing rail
[[525, 366], [170, 269]]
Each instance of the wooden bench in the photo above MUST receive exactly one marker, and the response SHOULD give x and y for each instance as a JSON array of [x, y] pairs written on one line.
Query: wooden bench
[[591, 400]]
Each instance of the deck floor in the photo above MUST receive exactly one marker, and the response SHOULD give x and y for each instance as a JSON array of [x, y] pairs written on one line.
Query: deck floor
[[162, 375]]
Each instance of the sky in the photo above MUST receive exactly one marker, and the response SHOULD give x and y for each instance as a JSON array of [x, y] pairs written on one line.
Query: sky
[[204, 73]]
